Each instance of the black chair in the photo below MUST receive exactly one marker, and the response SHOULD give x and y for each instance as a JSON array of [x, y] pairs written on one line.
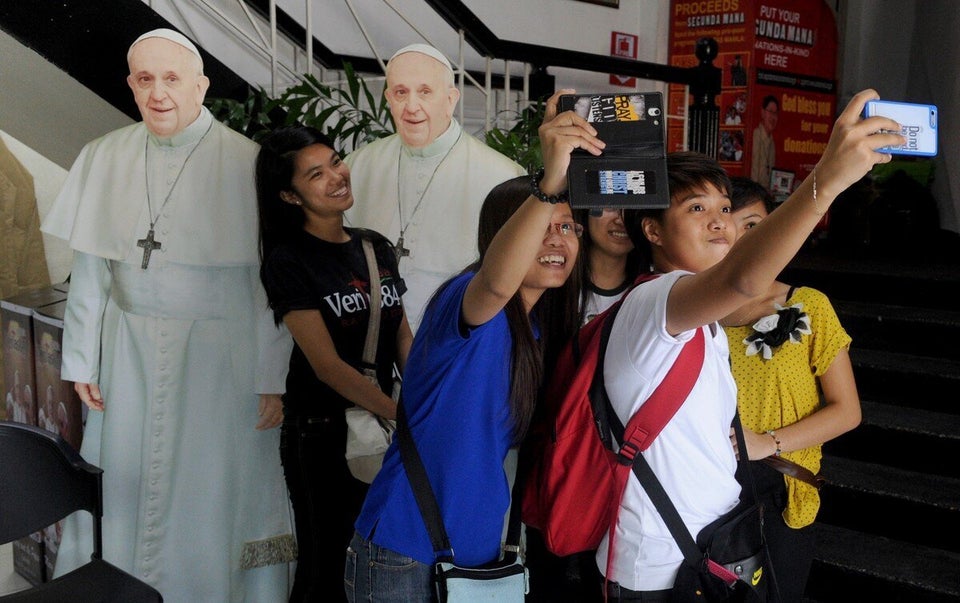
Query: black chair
[[42, 480]]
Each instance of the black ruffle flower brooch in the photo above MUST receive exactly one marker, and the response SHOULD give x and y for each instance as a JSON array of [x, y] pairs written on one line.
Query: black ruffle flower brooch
[[770, 332]]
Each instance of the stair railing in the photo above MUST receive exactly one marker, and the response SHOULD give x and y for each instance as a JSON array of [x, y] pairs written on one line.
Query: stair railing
[[701, 83]]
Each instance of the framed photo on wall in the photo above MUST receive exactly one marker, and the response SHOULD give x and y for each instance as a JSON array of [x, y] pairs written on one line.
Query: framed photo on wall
[[781, 183], [610, 3]]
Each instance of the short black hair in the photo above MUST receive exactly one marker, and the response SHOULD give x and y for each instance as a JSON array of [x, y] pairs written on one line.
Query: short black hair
[[745, 192], [686, 170]]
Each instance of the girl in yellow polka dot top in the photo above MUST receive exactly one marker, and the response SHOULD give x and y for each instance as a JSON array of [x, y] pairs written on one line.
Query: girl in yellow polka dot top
[[786, 349]]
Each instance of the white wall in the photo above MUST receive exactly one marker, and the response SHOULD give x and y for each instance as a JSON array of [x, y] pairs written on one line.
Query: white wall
[[46, 108], [906, 49]]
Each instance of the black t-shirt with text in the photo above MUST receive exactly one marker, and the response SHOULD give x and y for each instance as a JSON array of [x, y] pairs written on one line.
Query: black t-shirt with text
[[307, 273]]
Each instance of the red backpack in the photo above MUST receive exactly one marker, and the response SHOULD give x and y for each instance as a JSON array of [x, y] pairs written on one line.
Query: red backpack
[[575, 482]]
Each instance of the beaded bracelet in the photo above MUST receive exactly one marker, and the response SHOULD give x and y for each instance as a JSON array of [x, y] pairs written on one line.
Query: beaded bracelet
[[539, 194], [773, 435]]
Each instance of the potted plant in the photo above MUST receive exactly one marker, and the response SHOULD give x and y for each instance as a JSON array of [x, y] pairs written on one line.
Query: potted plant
[[353, 116]]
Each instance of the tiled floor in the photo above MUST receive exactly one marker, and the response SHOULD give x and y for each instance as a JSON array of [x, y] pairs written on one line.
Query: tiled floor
[[10, 582]]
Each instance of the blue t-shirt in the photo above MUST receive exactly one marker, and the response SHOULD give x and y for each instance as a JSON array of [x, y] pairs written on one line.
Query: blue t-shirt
[[456, 388]]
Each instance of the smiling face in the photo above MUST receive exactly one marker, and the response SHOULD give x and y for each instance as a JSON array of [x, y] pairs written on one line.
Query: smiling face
[[320, 182], [557, 256], [422, 97], [167, 85], [695, 232], [770, 115], [608, 234]]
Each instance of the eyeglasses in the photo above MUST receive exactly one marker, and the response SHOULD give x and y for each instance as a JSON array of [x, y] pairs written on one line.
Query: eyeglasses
[[565, 229]]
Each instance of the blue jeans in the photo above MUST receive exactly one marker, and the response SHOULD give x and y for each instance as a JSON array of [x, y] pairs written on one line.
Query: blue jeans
[[374, 574]]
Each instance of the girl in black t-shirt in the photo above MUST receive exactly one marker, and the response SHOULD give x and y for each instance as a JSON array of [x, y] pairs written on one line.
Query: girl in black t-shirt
[[318, 284]]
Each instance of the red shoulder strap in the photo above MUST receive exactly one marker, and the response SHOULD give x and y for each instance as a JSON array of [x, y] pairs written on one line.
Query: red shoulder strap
[[647, 423]]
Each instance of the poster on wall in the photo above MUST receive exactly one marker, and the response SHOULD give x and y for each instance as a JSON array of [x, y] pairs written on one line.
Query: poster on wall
[[778, 87]]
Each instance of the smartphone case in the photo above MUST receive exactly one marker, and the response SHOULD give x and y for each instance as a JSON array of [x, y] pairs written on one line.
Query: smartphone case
[[632, 171], [918, 124]]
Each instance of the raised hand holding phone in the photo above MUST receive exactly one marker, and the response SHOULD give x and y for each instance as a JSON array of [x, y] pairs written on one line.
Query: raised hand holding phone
[[918, 124]]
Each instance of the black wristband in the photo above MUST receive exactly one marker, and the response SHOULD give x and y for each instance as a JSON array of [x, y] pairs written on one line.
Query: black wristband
[[535, 179]]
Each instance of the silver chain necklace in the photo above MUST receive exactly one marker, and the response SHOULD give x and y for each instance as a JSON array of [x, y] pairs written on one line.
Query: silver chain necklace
[[148, 243], [402, 251]]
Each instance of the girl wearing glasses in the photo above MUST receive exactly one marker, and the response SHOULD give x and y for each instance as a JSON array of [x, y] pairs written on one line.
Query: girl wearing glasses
[[473, 376]]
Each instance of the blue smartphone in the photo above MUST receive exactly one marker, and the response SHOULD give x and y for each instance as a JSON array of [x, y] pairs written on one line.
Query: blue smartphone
[[918, 123]]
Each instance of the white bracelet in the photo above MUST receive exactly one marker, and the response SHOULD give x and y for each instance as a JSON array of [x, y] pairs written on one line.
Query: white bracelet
[[773, 435]]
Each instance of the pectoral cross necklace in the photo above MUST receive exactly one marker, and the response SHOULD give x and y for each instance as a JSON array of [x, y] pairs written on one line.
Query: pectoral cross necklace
[[403, 252], [149, 243]]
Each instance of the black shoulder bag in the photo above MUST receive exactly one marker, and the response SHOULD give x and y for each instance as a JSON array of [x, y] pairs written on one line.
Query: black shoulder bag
[[728, 561]]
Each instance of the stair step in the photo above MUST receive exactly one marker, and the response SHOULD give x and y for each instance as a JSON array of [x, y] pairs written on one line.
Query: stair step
[[891, 502], [921, 331], [907, 380], [855, 566], [911, 439], [917, 284]]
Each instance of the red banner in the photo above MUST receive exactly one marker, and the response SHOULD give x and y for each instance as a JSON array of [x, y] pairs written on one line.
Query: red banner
[[778, 97]]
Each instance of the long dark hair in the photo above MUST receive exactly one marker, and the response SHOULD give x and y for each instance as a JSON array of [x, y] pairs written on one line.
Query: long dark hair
[[556, 312], [280, 220]]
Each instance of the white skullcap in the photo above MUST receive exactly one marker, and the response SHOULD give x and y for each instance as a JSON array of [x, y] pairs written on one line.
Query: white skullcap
[[426, 49], [167, 34]]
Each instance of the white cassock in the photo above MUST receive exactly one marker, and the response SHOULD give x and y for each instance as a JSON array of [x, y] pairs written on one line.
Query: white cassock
[[193, 494], [433, 195]]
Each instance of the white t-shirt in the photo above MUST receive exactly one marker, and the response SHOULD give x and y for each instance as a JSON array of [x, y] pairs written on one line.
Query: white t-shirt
[[692, 457], [596, 300]]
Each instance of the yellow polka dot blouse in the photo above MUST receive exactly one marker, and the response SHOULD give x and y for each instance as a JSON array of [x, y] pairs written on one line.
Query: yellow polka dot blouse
[[782, 390]]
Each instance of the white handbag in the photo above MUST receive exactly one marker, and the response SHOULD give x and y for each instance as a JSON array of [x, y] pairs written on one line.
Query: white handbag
[[368, 434]]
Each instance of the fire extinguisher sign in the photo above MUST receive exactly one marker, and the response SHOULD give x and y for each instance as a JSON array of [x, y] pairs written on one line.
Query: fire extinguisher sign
[[623, 45]]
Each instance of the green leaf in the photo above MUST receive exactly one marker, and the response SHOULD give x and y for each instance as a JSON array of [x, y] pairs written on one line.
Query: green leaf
[[355, 116]]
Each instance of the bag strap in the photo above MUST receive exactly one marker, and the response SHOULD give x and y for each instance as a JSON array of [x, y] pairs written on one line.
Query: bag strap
[[373, 326], [693, 555], [599, 401], [647, 423], [654, 489], [794, 470], [427, 500]]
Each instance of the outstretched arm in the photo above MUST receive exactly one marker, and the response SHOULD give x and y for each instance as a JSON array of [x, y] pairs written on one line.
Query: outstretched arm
[[756, 260], [515, 247]]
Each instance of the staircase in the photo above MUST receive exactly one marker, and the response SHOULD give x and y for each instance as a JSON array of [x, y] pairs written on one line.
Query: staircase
[[889, 524]]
